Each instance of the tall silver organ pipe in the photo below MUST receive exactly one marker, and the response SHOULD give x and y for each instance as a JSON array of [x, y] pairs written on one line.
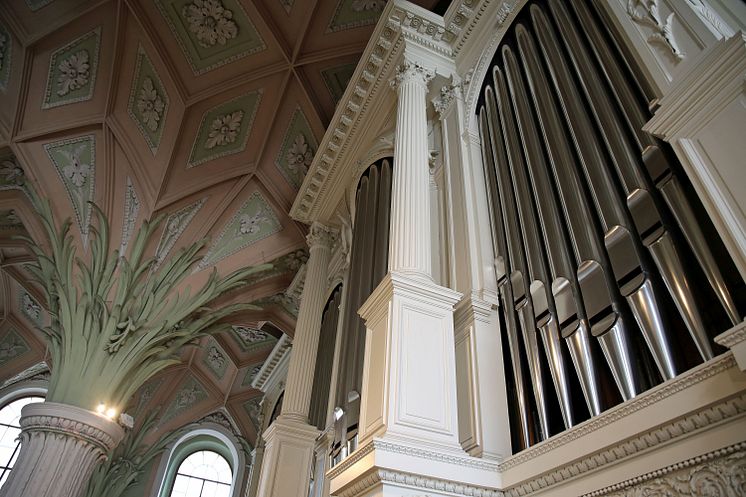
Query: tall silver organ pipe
[[653, 160], [324, 361], [506, 288], [368, 264], [586, 212]]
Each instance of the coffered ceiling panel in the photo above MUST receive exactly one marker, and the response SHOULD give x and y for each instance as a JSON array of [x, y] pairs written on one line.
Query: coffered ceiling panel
[[204, 112]]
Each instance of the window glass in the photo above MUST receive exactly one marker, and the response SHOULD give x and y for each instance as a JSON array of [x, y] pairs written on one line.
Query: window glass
[[203, 474], [10, 428]]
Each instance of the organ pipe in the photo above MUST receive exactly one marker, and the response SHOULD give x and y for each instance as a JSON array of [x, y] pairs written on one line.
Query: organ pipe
[[584, 207]]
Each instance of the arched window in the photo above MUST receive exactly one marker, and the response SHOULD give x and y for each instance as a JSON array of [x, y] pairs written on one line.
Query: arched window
[[203, 474], [10, 428]]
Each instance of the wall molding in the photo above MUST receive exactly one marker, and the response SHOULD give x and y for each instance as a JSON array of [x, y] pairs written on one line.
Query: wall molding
[[689, 472], [682, 382]]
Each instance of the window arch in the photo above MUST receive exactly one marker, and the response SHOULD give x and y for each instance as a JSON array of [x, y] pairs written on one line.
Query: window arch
[[207, 452], [203, 473], [10, 428]]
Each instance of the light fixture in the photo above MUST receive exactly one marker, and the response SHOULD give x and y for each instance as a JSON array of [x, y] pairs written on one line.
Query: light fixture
[[111, 412], [101, 408]]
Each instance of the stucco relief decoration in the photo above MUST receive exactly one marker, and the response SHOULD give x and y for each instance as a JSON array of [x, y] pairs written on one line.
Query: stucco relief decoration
[[30, 308], [250, 335], [723, 477], [361, 5], [252, 338], [297, 150], [190, 394], [210, 22], [72, 71], [12, 345], [253, 409], [646, 13], [355, 13], [9, 220], [254, 221], [211, 33], [287, 5], [11, 174], [74, 160], [148, 101], [131, 210], [216, 360], [225, 129], [150, 105], [174, 226], [409, 71], [6, 46], [300, 156], [251, 373]]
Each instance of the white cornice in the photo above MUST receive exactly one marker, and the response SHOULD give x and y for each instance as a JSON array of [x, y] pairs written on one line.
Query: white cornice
[[401, 23], [274, 368]]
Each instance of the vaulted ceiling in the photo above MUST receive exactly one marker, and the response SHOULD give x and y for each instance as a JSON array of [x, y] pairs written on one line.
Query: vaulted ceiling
[[206, 111]]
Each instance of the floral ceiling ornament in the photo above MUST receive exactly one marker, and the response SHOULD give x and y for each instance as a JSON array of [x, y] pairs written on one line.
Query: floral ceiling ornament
[[300, 156], [363, 5], [74, 160], [11, 172], [150, 105], [215, 358], [74, 73], [250, 224], [210, 22], [224, 129], [251, 335], [131, 210], [253, 221], [148, 101], [30, 308], [175, 225], [12, 346]]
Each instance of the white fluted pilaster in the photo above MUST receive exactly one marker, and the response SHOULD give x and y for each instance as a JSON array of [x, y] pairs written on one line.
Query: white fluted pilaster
[[409, 248], [60, 446], [306, 340]]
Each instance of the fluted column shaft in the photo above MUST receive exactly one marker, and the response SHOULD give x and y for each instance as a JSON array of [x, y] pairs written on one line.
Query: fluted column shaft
[[60, 447], [410, 249], [306, 340]]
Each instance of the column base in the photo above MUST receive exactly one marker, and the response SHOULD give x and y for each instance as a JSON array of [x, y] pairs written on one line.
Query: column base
[[389, 467], [60, 446], [288, 455]]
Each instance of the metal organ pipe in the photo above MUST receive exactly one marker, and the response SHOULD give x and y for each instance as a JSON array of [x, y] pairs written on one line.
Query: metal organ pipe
[[504, 286], [368, 265], [653, 159], [579, 202]]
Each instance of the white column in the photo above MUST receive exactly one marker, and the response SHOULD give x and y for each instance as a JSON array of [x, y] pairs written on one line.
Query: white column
[[484, 427], [60, 446], [290, 440], [306, 340], [409, 427], [410, 249]]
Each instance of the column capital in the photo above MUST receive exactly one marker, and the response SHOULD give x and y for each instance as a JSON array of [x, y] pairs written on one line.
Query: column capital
[[321, 235], [411, 71]]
